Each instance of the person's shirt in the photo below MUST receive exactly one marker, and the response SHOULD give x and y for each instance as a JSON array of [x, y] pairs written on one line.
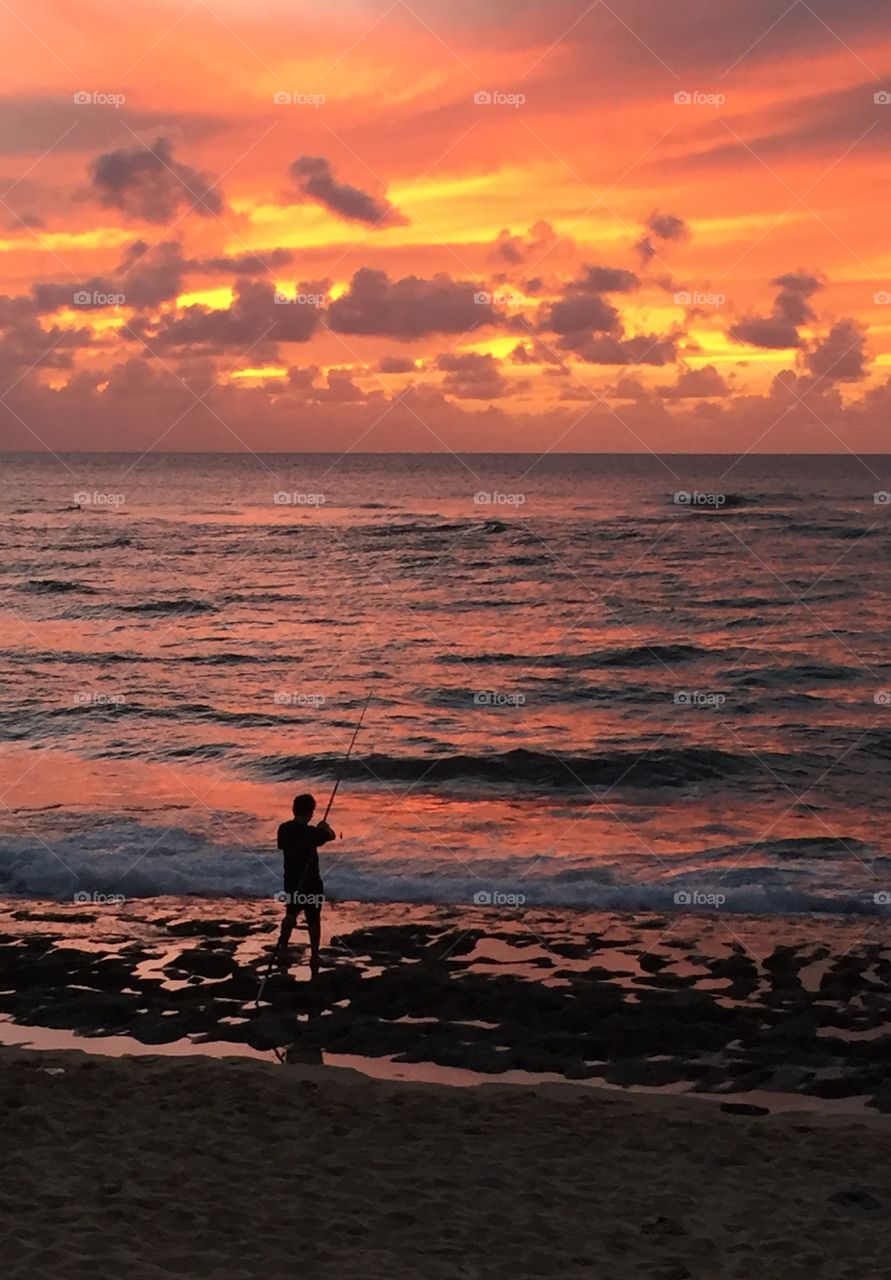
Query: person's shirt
[[299, 843]]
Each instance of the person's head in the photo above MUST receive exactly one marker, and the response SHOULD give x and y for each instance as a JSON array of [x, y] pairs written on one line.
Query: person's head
[[304, 807]]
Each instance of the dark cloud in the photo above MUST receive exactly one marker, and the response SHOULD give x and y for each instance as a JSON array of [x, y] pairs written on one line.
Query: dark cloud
[[150, 274], [409, 308], [791, 308], [841, 355], [253, 320], [539, 240], [667, 226], [583, 309], [581, 312], [315, 179], [471, 376], [533, 351], [769, 332], [819, 124], [792, 300], [147, 183], [28, 347], [694, 384], [396, 364], [663, 227], [14, 310], [606, 348], [245, 264], [605, 280]]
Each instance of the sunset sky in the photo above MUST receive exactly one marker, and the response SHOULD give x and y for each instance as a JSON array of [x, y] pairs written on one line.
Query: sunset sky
[[450, 224]]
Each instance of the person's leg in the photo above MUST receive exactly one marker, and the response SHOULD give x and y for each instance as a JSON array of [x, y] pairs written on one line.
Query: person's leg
[[281, 950], [314, 929]]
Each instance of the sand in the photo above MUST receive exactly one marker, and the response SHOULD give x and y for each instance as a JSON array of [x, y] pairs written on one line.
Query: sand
[[161, 1167]]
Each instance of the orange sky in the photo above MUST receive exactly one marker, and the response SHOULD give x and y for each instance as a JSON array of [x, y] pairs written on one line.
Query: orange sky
[[614, 226]]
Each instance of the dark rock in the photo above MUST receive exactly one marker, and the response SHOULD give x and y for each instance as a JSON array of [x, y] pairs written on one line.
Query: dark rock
[[857, 1198], [744, 1109], [663, 1226], [205, 963]]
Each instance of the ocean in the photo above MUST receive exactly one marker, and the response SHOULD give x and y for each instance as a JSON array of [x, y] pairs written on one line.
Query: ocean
[[596, 681]]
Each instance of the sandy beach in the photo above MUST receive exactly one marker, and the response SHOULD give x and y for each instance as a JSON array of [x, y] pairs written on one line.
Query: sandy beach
[[237, 1170]]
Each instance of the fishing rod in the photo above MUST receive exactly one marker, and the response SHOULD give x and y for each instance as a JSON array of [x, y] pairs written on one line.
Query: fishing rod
[[337, 781], [346, 758]]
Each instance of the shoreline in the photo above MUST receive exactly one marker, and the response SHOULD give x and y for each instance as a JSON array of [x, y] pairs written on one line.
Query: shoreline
[[741, 1009], [323, 1171]]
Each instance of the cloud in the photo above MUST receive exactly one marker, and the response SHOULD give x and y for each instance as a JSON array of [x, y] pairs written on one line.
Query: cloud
[[841, 355], [470, 376], [148, 184], [245, 264], [315, 180], [606, 348], [254, 320], [583, 309], [581, 313], [409, 308], [791, 308], [694, 384], [150, 274], [663, 227], [339, 388], [396, 364]]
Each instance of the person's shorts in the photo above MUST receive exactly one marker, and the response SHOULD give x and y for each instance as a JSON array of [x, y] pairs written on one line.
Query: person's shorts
[[309, 901]]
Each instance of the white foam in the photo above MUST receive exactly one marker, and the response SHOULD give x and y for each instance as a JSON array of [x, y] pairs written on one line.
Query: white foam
[[130, 859]]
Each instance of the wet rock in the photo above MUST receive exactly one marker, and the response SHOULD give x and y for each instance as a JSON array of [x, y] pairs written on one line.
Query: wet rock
[[881, 1100], [203, 963], [744, 1109], [663, 1226], [850, 1085], [642, 1071], [271, 1031], [857, 1198]]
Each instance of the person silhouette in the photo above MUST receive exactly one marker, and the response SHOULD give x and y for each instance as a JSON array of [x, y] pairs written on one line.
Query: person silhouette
[[303, 887]]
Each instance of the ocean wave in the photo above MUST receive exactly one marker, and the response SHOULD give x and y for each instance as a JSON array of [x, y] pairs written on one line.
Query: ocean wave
[[642, 655], [55, 586], [655, 768], [143, 861], [160, 608]]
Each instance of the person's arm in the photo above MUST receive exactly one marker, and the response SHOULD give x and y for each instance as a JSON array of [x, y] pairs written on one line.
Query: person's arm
[[324, 833]]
